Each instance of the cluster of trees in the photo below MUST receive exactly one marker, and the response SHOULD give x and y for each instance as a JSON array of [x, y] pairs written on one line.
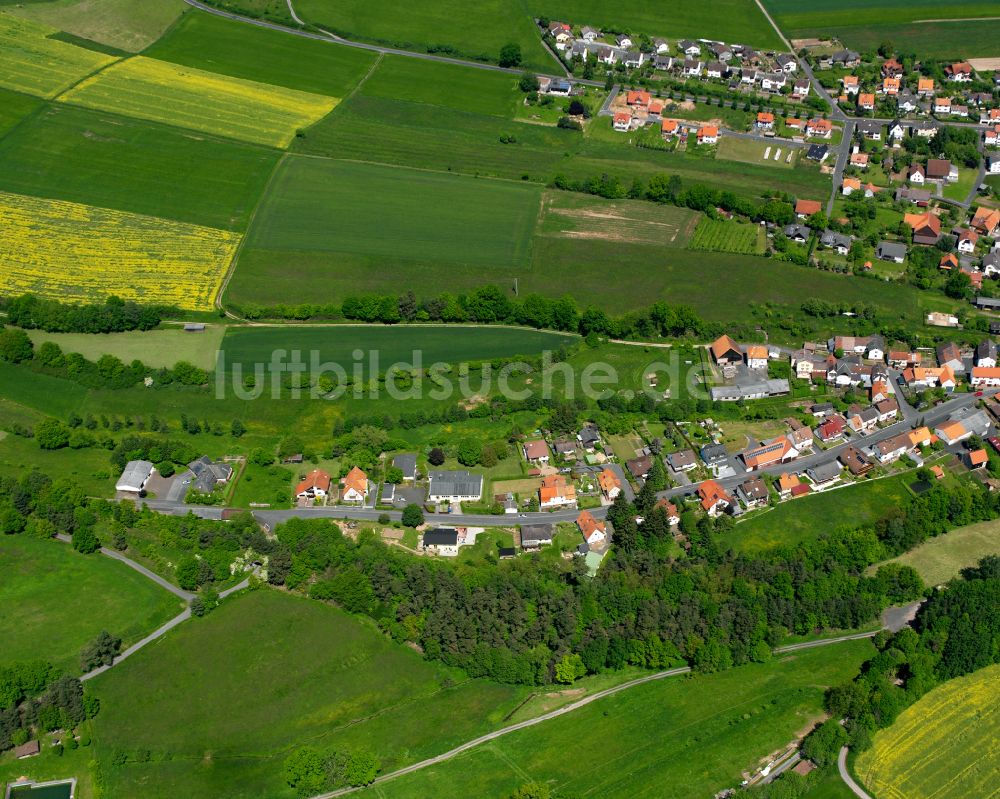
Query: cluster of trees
[[107, 371], [114, 315], [955, 632], [36, 697], [310, 771], [958, 145]]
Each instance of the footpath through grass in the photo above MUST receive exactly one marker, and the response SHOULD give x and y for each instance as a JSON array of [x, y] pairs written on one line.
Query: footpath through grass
[[53, 601], [671, 739]]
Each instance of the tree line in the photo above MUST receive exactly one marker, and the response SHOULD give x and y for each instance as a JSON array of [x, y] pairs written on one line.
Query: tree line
[[114, 315]]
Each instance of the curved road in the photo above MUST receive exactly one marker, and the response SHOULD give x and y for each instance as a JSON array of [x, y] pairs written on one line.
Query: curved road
[[845, 775]]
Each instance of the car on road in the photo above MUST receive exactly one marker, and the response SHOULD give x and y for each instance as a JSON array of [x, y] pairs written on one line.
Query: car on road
[[994, 442]]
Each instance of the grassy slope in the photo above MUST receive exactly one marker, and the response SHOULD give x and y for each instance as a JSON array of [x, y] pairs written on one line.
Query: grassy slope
[[54, 600], [944, 746], [944, 557], [127, 24], [229, 696], [14, 108], [243, 51], [675, 738], [806, 518], [112, 161], [255, 345], [154, 348]]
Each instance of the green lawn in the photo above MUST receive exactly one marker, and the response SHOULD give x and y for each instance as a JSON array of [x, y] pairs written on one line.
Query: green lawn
[[103, 159], [54, 600], [220, 702], [960, 189], [245, 51], [943, 557], [15, 107], [127, 24], [51, 395], [806, 518], [864, 25], [752, 152], [673, 739], [88, 469], [156, 348]]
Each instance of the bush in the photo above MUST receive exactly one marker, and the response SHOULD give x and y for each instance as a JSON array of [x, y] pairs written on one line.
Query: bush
[[413, 516]]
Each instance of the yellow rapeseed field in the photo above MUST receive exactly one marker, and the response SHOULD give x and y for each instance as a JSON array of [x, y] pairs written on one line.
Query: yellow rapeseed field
[[70, 251], [192, 98], [946, 746], [34, 64]]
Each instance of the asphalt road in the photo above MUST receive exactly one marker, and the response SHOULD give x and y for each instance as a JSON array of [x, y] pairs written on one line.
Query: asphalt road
[[845, 775]]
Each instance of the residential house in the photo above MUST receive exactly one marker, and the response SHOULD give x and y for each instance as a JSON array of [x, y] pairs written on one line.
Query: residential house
[[456, 485], [752, 492], [855, 462], [806, 208], [714, 499], [721, 51], [623, 40], [859, 159], [663, 62], [638, 98], [594, 532], [765, 121], [836, 241], [975, 276], [716, 69], [890, 86], [948, 354], [773, 82], [801, 88], [407, 464], [639, 467], [926, 227], [725, 351], [919, 197], [661, 46], [901, 359], [209, 474], [897, 130], [609, 483], [888, 410], [993, 163], [960, 72], [316, 485], [921, 437], [715, 455], [818, 152], [952, 432], [991, 136], [634, 59], [756, 356], [556, 492], [891, 251], [915, 174], [967, 240], [866, 102], [692, 67], [589, 437], [849, 186], [748, 77], [622, 121], [786, 482], [668, 128], [442, 540], [851, 85], [869, 129], [991, 264], [670, 510], [864, 420], [690, 48], [891, 68], [134, 477], [924, 129], [777, 450], [846, 58], [821, 410], [565, 448], [536, 451], [892, 449], [25, 750], [824, 475], [942, 105], [682, 461], [976, 458], [534, 536], [831, 429], [798, 233], [941, 169], [355, 486], [787, 63], [708, 134], [907, 102], [985, 377], [925, 87], [798, 125], [589, 34], [986, 221], [989, 116], [822, 128]]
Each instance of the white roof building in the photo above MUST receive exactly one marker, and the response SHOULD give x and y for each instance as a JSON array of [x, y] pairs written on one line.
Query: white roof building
[[134, 476]]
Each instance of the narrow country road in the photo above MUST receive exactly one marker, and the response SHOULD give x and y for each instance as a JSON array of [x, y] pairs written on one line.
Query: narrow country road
[[845, 775]]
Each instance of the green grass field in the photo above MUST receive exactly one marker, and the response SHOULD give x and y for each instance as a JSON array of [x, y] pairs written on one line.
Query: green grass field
[[127, 24], [228, 697], [54, 600], [154, 348], [393, 344], [14, 108], [244, 51], [943, 557], [806, 518], [752, 152], [99, 158], [943, 746], [672, 739], [931, 28]]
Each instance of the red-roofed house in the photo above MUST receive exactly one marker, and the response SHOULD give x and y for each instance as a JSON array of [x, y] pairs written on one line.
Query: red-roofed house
[[536, 451], [594, 532], [637, 98], [708, 134], [315, 486], [556, 492], [806, 208], [622, 121], [355, 486], [714, 499]]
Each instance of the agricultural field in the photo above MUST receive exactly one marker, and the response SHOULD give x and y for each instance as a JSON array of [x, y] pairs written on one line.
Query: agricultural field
[[930, 28], [807, 518], [751, 151], [283, 671], [943, 557], [707, 730], [327, 221], [198, 100], [129, 255], [156, 348], [53, 600], [14, 108], [717, 235], [130, 25], [232, 48], [565, 215], [944, 746], [32, 63], [97, 158], [336, 344]]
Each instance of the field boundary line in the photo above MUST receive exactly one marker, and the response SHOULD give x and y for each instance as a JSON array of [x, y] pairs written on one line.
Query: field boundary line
[[360, 83], [231, 268], [961, 19], [88, 76], [472, 175], [45, 105]]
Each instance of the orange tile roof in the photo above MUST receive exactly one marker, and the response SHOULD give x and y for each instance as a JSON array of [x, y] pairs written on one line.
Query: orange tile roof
[[637, 98], [986, 219], [316, 479], [951, 430], [536, 449], [722, 345], [608, 481], [978, 457], [765, 116], [588, 524], [852, 183], [757, 352], [949, 261], [708, 131], [357, 480], [850, 80], [711, 492], [925, 84], [808, 207], [623, 116], [786, 482], [866, 99], [668, 125]]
